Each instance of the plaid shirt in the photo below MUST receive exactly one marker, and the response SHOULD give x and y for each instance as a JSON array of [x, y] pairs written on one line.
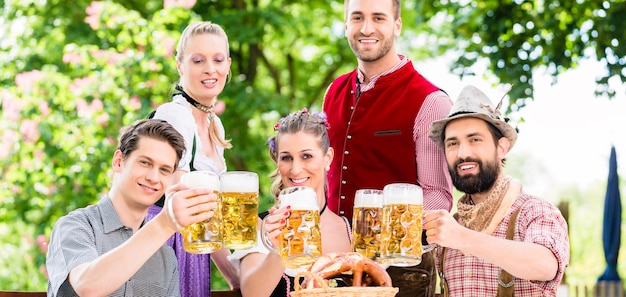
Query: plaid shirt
[[538, 222]]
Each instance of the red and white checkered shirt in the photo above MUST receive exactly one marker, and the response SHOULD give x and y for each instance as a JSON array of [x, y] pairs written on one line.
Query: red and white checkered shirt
[[538, 222]]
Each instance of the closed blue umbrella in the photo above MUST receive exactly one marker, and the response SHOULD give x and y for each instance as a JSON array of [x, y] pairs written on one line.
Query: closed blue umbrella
[[611, 222]]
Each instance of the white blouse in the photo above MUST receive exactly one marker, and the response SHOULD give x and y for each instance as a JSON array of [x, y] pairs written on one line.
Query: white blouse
[[178, 114]]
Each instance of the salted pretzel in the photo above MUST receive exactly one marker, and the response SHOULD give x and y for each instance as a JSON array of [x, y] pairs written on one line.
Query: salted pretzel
[[353, 268]]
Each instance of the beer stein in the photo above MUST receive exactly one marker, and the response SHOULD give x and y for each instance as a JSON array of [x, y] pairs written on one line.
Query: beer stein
[[300, 241], [239, 208], [203, 237], [401, 227], [366, 219]]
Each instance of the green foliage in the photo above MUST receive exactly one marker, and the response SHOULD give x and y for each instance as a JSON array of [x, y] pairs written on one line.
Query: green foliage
[[585, 225], [73, 75], [513, 38], [586, 247], [22, 262]]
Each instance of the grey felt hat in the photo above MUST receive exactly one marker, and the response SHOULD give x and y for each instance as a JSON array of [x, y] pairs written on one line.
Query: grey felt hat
[[472, 102]]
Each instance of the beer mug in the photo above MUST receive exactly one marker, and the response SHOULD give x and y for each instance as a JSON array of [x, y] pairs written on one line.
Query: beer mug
[[300, 241], [366, 218], [239, 208], [401, 234], [203, 237]]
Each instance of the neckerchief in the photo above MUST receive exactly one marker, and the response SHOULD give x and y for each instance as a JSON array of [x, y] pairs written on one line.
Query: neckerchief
[[478, 216]]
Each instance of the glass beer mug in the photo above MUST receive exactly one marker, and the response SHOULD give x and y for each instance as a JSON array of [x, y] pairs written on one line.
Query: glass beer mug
[[366, 219], [203, 237], [300, 241], [239, 208], [401, 234]]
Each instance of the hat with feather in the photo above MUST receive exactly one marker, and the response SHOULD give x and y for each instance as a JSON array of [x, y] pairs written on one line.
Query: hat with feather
[[472, 102]]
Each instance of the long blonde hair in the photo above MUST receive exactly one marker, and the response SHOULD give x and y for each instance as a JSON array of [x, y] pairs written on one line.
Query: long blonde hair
[[194, 29]]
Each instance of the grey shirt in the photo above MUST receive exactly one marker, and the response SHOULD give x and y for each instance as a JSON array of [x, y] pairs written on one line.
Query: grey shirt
[[85, 234]]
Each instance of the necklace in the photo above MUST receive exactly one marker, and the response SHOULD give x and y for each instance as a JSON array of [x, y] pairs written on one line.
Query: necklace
[[324, 207], [196, 104]]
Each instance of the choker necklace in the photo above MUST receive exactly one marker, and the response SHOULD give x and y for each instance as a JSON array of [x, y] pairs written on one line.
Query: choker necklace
[[196, 104], [324, 208]]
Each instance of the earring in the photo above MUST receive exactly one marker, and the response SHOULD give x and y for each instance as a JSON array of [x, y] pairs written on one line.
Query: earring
[[327, 167]]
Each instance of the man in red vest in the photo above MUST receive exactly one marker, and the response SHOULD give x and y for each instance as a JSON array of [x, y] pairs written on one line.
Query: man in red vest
[[379, 116]]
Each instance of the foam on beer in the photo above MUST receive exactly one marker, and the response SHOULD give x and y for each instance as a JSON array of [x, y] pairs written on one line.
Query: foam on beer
[[200, 179], [304, 198], [244, 182], [403, 193], [368, 198]]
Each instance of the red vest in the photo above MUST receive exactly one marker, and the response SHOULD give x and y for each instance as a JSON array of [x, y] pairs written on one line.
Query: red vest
[[373, 139]]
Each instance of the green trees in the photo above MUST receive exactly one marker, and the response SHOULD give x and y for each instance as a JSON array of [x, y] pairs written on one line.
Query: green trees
[[514, 38], [72, 75]]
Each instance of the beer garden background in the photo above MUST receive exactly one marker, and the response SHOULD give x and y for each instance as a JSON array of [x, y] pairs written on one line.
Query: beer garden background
[[72, 75]]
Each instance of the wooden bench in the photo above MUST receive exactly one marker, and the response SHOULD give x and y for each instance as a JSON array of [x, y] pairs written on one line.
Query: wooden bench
[[44, 294], [229, 293], [22, 294]]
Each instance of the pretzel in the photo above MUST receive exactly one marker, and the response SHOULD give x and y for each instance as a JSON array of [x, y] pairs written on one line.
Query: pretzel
[[364, 272]]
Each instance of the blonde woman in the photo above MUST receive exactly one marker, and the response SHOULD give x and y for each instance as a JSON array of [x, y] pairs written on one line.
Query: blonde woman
[[203, 62], [302, 154]]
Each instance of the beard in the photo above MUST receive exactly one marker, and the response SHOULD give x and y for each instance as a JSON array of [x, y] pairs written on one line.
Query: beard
[[370, 56], [471, 184]]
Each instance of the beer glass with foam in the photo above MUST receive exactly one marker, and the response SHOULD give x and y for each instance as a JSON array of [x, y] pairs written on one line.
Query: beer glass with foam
[[401, 227], [366, 218], [203, 237], [239, 208], [300, 241]]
